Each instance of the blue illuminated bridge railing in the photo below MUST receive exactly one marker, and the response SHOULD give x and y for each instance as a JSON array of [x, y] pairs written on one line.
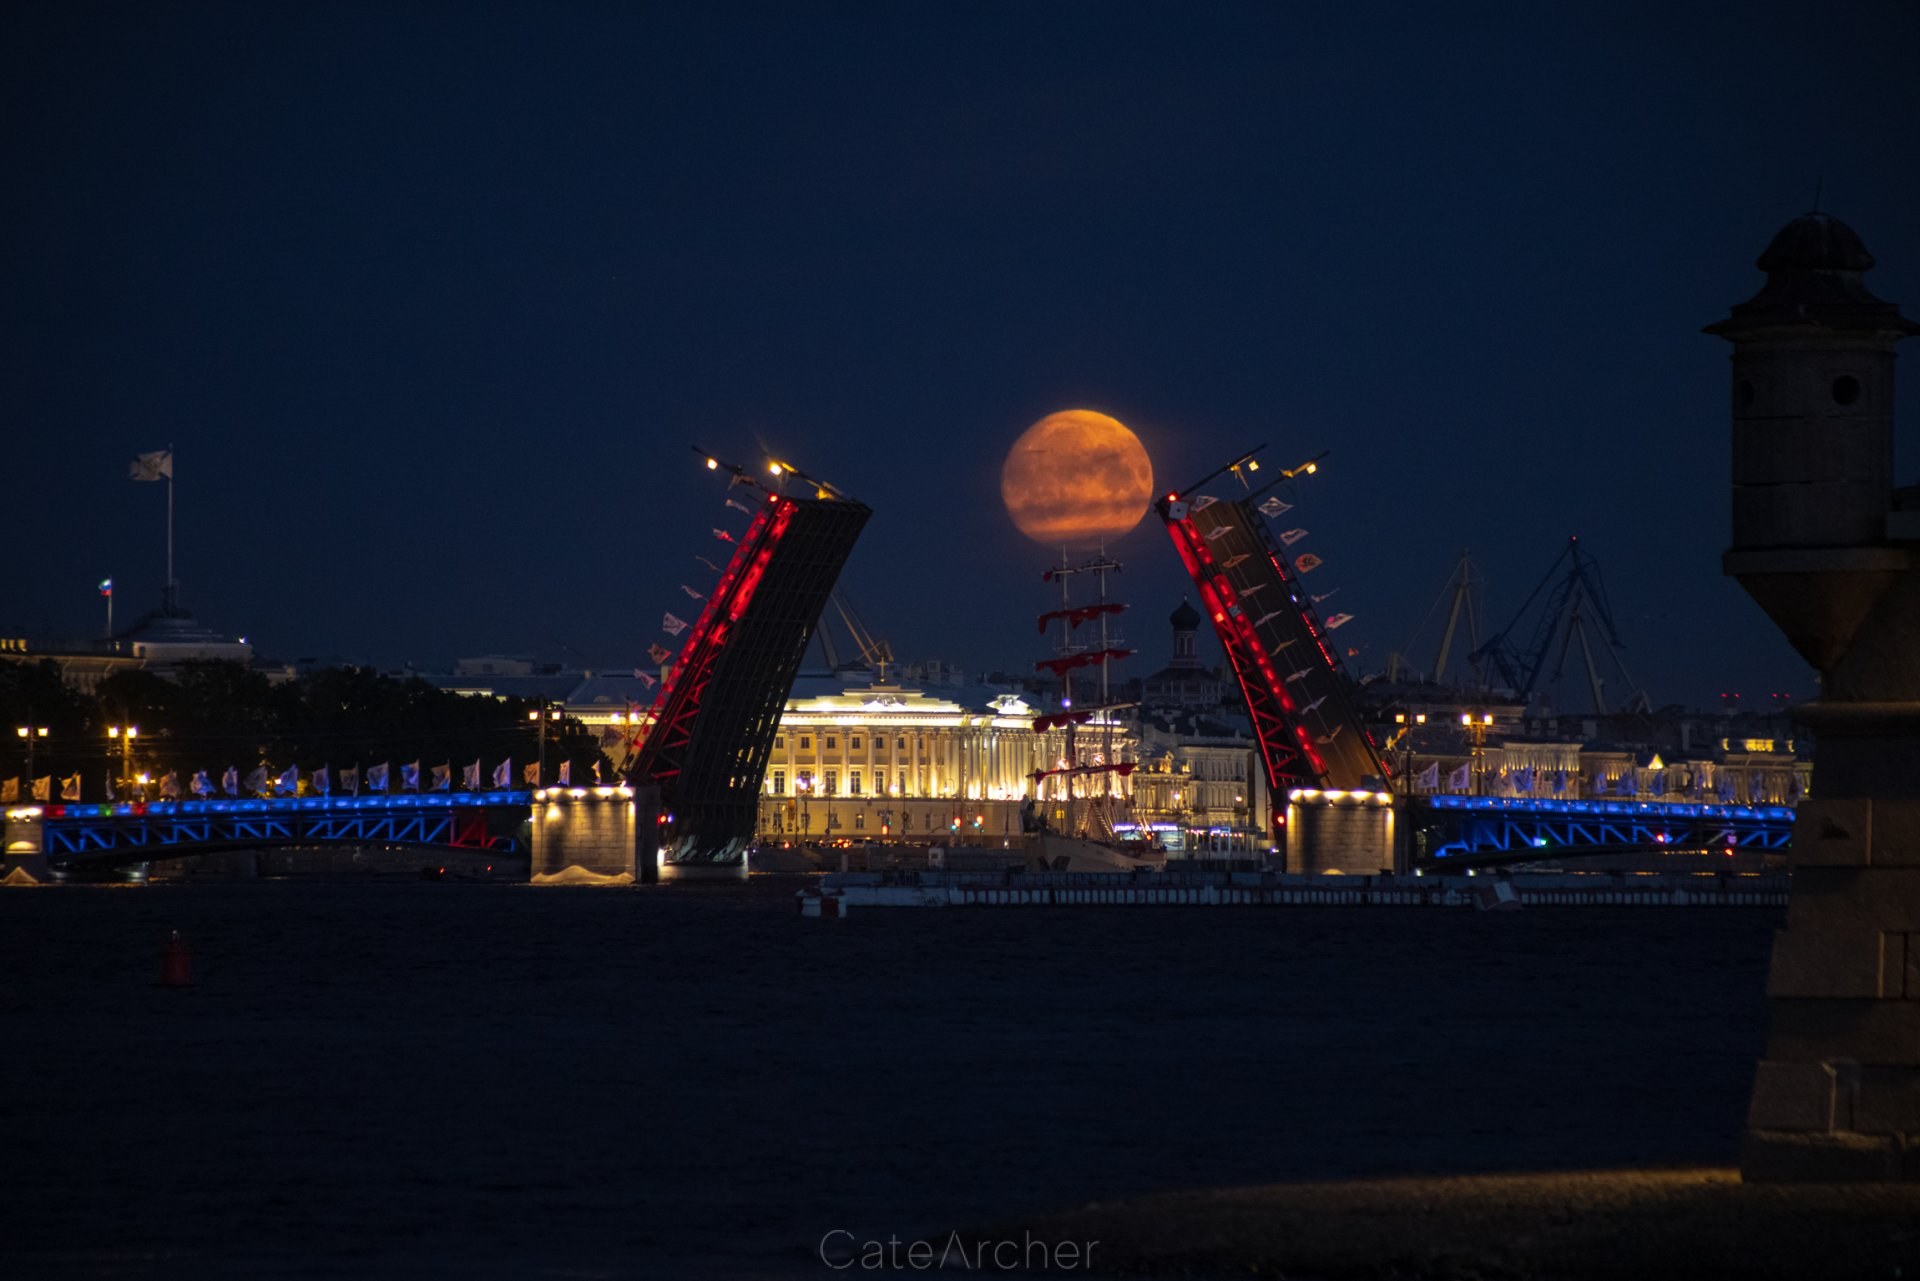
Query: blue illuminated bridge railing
[[164, 829], [1497, 828]]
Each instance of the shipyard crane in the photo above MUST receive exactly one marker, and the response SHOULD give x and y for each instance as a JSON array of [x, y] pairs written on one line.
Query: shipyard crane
[[1462, 594], [1573, 608], [874, 651]]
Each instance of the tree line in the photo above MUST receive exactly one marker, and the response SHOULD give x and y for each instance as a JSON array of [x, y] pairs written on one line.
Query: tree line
[[210, 715]]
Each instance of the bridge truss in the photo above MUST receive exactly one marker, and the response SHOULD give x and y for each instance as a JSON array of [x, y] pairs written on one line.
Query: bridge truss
[[173, 829], [1298, 694], [1465, 830], [717, 713]]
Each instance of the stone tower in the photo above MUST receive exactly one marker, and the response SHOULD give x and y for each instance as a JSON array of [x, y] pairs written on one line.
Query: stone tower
[[1186, 629], [1824, 542]]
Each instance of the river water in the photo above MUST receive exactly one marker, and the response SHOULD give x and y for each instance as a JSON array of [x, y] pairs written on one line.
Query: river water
[[381, 1078]]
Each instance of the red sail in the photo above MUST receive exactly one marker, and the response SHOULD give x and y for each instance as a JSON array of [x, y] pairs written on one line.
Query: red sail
[[1078, 614]]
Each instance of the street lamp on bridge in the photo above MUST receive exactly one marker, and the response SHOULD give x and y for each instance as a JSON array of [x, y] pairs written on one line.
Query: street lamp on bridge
[[541, 715], [32, 734], [126, 734]]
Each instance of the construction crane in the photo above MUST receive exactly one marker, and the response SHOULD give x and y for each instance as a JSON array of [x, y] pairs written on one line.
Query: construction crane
[[874, 652], [1574, 607], [1463, 593]]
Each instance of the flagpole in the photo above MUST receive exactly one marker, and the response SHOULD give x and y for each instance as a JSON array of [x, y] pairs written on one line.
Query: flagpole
[[172, 588]]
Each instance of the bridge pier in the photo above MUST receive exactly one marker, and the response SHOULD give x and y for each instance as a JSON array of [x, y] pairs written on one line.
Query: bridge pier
[[590, 828], [25, 846], [1337, 831]]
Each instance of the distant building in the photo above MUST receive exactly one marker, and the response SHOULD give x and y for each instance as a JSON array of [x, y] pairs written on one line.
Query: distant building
[[1185, 681], [159, 642]]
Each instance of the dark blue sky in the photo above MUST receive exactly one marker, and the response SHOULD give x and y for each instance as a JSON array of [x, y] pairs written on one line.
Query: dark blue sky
[[432, 302]]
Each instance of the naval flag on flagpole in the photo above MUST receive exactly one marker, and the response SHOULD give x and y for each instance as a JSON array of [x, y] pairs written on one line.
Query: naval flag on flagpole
[[230, 781], [443, 777], [503, 774], [154, 466], [532, 774]]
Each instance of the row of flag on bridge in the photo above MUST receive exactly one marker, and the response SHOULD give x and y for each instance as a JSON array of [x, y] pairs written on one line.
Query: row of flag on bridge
[[378, 779], [1303, 564], [1529, 781]]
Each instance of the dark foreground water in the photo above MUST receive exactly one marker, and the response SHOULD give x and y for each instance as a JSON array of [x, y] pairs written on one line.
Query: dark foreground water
[[484, 1080]]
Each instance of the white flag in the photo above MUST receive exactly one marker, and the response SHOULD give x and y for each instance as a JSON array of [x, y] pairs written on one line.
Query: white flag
[[740, 507], [377, 778], [1204, 501], [290, 781], [470, 776], [689, 591], [230, 781], [1273, 507], [202, 785], [672, 626], [503, 774], [566, 773], [257, 781], [410, 777], [154, 466], [1337, 620], [1430, 776], [1458, 780], [322, 781], [1293, 536], [350, 780]]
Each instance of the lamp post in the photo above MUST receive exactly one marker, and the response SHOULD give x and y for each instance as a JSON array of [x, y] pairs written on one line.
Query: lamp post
[[32, 734], [803, 785], [1477, 734], [1406, 754], [541, 715], [126, 734]]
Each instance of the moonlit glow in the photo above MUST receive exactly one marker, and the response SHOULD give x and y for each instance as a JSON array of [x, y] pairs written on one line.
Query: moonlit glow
[[1075, 478]]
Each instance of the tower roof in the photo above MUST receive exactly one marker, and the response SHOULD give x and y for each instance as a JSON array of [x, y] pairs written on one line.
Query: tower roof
[[1814, 266], [1186, 618], [1815, 242]]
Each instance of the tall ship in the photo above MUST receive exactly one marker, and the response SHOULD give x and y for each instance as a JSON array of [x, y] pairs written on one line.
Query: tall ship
[[1079, 797]]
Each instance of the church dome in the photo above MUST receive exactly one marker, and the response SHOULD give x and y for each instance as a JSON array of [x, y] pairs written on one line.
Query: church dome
[[1186, 618], [1815, 242]]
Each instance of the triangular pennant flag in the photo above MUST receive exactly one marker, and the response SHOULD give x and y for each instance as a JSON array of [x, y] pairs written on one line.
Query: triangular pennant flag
[[1273, 507], [1308, 563], [673, 626], [723, 535], [740, 507], [689, 591], [290, 781], [1292, 536], [658, 653], [646, 680], [1337, 620], [1204, 501]]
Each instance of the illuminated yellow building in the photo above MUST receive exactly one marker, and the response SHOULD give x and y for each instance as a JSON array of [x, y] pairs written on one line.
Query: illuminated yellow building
[[876, 761]]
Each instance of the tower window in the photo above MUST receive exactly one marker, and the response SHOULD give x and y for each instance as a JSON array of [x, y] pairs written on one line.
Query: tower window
[[1743, 394], [1846, 389]]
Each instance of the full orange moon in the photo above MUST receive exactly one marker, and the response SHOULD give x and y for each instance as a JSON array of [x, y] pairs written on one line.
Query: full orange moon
[[1075, 478]]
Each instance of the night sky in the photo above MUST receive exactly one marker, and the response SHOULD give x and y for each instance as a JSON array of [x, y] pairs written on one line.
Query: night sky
[[433, 299]]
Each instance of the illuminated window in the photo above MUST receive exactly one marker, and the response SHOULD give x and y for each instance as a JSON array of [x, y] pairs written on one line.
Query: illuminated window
[[779, 782], [860, 819], [853, 782], [779, 740], [833, 780]]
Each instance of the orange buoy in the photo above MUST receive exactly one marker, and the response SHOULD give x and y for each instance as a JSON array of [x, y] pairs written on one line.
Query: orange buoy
[[176, 963]]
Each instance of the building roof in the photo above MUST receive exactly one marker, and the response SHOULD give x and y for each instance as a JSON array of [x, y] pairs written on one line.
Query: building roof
[[1186, 618], [1814, 266], [1815, 242]]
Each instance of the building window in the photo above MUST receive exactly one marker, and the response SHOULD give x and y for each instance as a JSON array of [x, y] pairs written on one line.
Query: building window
[[832, 742], [833, 782], [779, 782], [806, 742], [854, 744], [853, 782], [779, 740], [860, 819], [1846, 389], [899, 744]]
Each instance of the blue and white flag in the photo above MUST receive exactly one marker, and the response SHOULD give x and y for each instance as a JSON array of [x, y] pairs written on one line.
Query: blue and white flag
[[350, 781], [470, 776], [202, 785], [230, 781], [1429, 778], [1459, 779], [443, 777], [290, 781], [503, 774], [257, 781], [410, 777], [322, 781], [170, 785], [377, 778]]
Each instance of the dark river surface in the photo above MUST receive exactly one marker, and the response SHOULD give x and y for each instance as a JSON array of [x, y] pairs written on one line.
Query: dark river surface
[[407, 1078]]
